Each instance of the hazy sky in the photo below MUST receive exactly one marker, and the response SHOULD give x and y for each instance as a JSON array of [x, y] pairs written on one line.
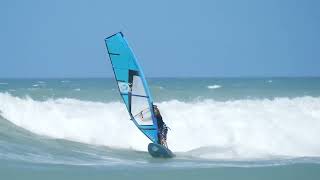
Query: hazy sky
[[65, 38]]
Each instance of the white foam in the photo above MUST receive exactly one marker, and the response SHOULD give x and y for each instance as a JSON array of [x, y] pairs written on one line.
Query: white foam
[[77, 89], [208, 129], [35, 85], [214, 86]]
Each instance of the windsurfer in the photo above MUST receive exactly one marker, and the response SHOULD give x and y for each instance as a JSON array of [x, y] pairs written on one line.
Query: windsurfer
[[163, 129]]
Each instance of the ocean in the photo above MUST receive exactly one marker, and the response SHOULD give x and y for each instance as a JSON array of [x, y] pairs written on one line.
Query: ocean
[[221, 128]]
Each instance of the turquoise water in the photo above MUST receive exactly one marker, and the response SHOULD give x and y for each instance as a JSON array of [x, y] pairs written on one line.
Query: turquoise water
[[164, 89], [222, 128]]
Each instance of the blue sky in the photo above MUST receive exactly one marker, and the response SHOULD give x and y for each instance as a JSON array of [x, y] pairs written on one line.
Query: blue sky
[[170, 38]]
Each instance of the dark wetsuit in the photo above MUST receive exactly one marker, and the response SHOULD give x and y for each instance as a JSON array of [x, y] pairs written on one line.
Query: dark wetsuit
[[159, 121], [162, 128]]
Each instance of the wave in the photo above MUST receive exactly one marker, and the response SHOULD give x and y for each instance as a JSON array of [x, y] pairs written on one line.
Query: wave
[[240, 129], [214, 86]]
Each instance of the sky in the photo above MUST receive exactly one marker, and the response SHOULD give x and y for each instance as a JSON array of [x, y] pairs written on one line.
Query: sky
[[213, 38]]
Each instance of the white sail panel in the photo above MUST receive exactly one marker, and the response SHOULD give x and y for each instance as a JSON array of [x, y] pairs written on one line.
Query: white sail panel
[[138, 106], [137, 86]]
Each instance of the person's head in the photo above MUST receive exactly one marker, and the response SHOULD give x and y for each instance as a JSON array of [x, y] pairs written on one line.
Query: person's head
[[156, 110]]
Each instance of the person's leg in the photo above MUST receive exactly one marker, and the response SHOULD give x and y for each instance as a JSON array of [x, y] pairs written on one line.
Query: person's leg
[[165, 135], [160, 137]]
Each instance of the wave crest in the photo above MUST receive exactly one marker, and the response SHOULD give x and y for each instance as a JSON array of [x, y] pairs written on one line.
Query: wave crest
[[209, 129]]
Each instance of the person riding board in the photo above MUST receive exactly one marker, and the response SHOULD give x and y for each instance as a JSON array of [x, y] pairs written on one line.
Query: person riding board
[[163, 128]]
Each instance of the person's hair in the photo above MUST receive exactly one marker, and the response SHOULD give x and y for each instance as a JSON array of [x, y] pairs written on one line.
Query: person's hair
[[156, 110]]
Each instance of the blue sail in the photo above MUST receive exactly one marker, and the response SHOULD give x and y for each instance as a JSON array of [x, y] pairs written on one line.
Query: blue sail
[[132, 85]]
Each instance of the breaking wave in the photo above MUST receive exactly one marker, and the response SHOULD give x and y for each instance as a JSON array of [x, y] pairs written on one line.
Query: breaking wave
[[240, 129]]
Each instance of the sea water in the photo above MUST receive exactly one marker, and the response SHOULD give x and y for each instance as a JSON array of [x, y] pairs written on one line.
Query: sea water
[[221, 128]]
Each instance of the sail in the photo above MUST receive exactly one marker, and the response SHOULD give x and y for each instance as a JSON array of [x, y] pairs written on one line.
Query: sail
[[132, 85]]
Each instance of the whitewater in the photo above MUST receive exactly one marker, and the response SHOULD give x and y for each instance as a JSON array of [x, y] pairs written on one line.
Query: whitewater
[[211, 129]]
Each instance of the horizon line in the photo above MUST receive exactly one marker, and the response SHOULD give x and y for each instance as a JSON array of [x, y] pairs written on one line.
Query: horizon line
[[155, 77]]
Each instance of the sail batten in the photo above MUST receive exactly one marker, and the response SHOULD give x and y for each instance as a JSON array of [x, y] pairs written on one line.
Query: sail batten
[[132, 85]]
